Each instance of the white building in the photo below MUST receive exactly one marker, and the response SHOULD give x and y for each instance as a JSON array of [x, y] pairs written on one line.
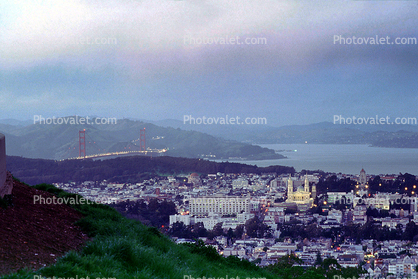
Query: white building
[[219, 205], [335, 215], [239, 183], [277, 213], [180, 218], [239, 252], [228, 222]]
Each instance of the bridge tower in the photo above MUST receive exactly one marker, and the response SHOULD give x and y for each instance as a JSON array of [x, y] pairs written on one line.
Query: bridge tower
[[142, 140], [82, 143]]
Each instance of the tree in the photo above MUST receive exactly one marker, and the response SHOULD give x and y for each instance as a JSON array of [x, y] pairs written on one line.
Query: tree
[[239, 230], [178, 229], [199, 230], [330, 263], [318, 261], [217, 229], [410, 231], [230, 234], [256, 228], [287, 261]]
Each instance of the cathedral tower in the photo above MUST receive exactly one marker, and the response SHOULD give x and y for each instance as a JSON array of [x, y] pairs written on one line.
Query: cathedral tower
[[290, 188], [306, 183]]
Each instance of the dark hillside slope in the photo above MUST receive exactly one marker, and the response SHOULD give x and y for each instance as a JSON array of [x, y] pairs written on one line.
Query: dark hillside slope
[[34, 235], [123, 169]]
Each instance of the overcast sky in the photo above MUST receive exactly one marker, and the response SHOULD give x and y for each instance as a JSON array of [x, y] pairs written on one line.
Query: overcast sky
[[136, 59]]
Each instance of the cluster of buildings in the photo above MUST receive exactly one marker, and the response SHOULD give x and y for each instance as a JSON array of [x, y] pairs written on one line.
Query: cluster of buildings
[[233, 199]]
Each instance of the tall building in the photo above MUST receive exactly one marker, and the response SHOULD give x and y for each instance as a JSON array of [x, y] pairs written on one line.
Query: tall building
[[363, 178]]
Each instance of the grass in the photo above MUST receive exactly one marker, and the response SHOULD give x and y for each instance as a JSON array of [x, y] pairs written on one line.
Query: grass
[[121, 248]]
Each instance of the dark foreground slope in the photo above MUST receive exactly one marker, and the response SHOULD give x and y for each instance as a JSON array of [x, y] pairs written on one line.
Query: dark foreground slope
[[34, 235]]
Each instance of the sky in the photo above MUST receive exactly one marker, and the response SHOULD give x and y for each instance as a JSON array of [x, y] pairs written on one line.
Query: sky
[[146, 59]]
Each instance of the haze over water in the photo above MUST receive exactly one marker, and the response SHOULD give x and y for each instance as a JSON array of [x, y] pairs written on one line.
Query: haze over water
[[344, 158]]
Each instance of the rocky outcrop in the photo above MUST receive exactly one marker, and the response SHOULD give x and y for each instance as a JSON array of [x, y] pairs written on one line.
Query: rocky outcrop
[[7, 186]]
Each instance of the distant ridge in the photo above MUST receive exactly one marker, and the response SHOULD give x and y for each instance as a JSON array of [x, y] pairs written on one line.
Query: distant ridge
[[61, 141], [323, 132], [124, 169], [198, 141]]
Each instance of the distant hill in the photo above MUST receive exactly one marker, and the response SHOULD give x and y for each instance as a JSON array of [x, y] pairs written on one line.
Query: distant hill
[[124, 169], [399, 136], [242, 133], [15, 122], [61, 141]]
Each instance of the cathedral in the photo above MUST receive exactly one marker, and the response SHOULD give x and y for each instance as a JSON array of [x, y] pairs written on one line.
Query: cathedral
[[362, 185], [302, 196]]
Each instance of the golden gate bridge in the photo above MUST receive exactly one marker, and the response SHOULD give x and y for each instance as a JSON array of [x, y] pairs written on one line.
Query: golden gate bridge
[[82, 153]]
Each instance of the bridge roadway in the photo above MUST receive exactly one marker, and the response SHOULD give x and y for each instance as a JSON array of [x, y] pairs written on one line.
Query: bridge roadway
[[121, 153]]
